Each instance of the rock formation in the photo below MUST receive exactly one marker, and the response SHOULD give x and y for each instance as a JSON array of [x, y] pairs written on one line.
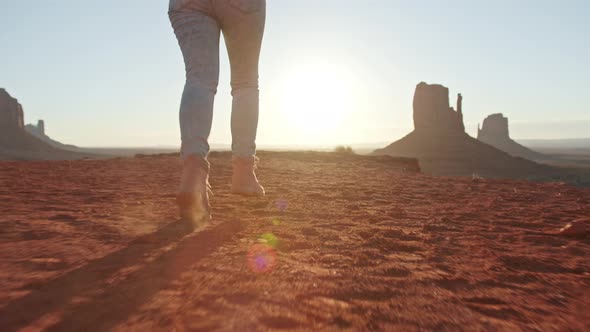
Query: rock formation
[[39, 132], [494, 126], [11, 112], [495, 132], [16, 143], [442, 147], [433, 114]]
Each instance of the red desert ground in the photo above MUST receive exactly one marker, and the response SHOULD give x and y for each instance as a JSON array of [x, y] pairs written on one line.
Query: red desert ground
[[340, 242], [92, 245]]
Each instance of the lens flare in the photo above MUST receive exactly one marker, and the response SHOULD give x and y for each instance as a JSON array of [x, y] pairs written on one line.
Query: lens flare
[[262, 258], [282, 204], [269, 239]]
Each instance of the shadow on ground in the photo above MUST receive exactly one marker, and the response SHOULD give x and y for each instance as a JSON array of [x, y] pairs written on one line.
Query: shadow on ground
[[106, 291]]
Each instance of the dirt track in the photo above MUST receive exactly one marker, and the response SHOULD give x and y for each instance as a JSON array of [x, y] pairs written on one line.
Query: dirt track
[[345, 242]]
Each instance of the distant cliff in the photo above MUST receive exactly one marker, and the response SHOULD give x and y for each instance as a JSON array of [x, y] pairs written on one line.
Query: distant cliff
[[39, 132], [11, 111], [433, 114], [16, 143], [442, 147], [495, 132]]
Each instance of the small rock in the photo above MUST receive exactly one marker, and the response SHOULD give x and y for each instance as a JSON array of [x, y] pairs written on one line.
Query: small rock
[[577, 228]]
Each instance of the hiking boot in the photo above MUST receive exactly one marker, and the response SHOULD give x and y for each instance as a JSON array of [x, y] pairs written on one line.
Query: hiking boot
[[193, 194], [244, 181]]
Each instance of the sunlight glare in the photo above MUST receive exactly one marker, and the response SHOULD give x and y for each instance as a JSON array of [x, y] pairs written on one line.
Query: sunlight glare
[[318, 98]]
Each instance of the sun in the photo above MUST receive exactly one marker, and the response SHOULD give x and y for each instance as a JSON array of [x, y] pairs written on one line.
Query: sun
[[317, 98]]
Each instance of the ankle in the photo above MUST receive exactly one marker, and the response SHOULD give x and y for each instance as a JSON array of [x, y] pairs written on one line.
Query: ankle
[[197, 161]]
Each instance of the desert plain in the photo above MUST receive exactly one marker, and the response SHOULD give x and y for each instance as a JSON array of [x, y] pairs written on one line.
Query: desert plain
[[340, 242]]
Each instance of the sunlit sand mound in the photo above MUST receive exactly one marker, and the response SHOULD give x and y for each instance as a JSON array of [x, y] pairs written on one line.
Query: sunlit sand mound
[[340, 242]]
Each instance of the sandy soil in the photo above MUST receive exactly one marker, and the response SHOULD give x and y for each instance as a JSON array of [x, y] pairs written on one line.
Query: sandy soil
[[340, 242]]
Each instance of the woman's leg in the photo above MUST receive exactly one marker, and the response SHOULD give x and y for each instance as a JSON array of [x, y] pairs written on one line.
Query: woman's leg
[[242, 22], [198, 36]]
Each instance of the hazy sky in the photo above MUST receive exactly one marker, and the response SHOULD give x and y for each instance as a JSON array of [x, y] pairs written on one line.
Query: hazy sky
[[110, 73]]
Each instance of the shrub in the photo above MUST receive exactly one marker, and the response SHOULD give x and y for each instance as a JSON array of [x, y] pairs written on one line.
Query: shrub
[[344, 149]]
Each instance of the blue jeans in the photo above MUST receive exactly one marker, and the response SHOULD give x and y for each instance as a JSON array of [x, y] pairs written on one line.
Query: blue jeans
[[198, 25]]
